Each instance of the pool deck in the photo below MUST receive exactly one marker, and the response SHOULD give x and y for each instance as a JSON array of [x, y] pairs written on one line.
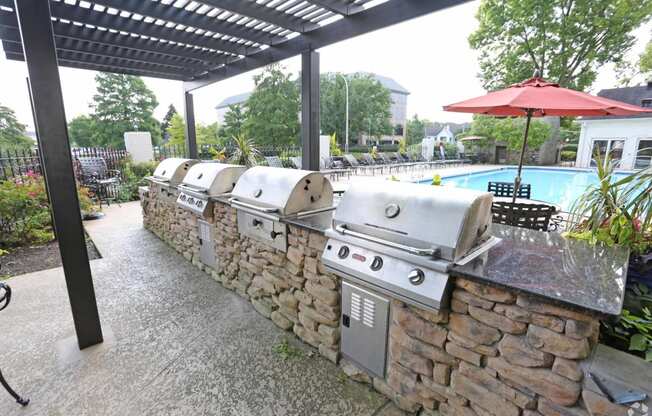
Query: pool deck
[[176, 343]]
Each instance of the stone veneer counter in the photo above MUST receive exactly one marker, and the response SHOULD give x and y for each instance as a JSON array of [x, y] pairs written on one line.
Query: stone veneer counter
[[566, 271]]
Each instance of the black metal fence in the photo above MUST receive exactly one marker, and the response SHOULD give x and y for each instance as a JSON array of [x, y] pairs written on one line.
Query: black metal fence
[[14, 163]]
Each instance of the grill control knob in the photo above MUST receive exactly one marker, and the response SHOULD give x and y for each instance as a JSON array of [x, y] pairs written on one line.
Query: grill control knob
[[200, 204], [416, 276], [343, 252], [376, 263]]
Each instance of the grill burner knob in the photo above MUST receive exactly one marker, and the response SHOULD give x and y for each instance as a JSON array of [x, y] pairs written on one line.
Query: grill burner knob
[[416, 276], [200, 204], [343, 252], [376, 263]]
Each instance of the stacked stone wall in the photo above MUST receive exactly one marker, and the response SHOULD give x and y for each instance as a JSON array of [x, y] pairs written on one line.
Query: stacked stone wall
[[494, 352]]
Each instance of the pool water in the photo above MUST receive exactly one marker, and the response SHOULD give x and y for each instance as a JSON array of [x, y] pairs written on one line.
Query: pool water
[[558, 186]]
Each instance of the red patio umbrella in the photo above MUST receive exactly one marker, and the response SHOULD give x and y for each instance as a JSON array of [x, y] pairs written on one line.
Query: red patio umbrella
[[536, 97]]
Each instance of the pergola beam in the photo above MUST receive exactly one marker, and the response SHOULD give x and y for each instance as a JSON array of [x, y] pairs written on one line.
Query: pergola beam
[[310, 110], [262, 13], [339, 7], [98, 56], [102, 68], [50, 122], [9, 31], [116, 22], [381, 16], [181, 16]]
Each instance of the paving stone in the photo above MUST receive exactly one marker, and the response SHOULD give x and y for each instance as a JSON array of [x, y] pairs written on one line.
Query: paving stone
[[486, 292], [568, 368], [327, 296], [463, 353], [419, 328], [400, 379], [281, 321], [497, 321], [465, 297], [471, 329], [518, 351], [441, 373], [263, 306], [557, 344], [558, 389], [419, 347], [488, 350], [598, 405], [295, 256], [459, 307], [412, 361], [484, 378]]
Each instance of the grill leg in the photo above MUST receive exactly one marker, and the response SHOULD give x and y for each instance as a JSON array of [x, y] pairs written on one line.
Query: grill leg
[[19, 400]]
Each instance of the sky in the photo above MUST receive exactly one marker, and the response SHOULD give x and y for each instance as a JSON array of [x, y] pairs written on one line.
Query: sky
[[430, 56]]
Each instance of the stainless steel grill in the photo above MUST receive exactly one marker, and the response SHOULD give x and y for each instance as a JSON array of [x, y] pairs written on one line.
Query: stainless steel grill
[[204, 181], [171, 171], [263, 196], [401, 239]]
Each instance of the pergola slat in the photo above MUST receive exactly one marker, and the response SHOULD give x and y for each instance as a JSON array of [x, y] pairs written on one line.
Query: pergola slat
[[116, 22], [13, 44], [374, 18], [181, 16], [340, 7], [263, 13], [9, 25], [108, 60], [100, 67]]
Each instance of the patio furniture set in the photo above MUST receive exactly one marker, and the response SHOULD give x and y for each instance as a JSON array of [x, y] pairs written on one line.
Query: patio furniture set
[[522, 211], [339, 167], [433, 314]]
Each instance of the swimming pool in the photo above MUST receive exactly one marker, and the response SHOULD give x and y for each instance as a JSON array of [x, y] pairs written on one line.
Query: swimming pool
[[558, 186]]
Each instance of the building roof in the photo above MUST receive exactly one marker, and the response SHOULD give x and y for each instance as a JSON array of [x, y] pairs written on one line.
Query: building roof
[[630, 95], [386, 82], [389, 83], [233, 100], [446, 131]]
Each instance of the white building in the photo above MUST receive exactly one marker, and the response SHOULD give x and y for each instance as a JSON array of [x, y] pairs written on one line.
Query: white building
[[445, 135], [627, 139]]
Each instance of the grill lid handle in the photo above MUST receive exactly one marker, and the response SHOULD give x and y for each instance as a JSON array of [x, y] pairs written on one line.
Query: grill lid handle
[[413, 250], [251, 206]]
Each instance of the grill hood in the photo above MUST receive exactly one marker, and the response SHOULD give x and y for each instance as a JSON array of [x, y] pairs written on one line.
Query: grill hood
[[450, 220], [172, 170], [283, 191], [212, 178]]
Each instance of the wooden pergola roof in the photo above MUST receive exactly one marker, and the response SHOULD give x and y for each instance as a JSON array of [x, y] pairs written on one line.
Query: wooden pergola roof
[[203, 41]]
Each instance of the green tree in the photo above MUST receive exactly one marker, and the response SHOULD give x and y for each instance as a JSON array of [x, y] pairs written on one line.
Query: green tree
[[167, 119], [123, 103], [207, 134], [12, 132], [369, 106], [510, 131], [177, 130], [234, 120], [645, 60], [566, 40], [415, 130], [81, 131], [272, 116]]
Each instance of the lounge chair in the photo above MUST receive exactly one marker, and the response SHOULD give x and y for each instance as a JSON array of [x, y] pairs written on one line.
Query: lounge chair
[[506, 189], [524, 215], [274, 161], [296, 162]]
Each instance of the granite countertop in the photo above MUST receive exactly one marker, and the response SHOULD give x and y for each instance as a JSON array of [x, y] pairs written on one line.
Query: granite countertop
[[317, 222], [546, 264]]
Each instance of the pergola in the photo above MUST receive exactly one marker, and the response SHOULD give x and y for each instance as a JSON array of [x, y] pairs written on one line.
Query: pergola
[[198, 42]]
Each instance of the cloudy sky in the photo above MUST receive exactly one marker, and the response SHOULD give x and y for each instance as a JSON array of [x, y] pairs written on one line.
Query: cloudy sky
[[429, 56]]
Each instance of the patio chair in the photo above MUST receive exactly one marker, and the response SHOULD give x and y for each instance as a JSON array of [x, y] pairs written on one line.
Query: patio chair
[[507, 189], [524, 215], [274, 161], [296, 162], [5, 298], [98, 178]]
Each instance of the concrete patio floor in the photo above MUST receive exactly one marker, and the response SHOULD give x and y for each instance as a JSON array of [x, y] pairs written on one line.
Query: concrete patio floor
[[177, 343]]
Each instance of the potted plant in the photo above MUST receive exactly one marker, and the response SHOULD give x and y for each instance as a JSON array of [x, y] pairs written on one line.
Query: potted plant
[[618, 211]]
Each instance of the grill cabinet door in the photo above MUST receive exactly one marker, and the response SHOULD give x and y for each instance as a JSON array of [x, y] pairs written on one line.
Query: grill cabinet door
[[207, 246], [365, 318]]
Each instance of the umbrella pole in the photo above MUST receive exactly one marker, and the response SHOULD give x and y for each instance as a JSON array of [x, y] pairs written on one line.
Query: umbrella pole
[[517, 179]]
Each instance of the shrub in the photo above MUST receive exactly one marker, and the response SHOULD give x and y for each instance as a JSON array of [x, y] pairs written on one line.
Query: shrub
[[568, 155], [133, 175], [24, 212]]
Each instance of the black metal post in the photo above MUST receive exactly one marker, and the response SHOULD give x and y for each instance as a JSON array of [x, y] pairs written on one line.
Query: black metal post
[[191, 135], [310, 110], [50, 121], [517, 179]]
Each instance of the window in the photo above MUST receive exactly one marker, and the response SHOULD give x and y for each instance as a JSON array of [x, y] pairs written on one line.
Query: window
[[643, 154], [612, 147], [646, 102]]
